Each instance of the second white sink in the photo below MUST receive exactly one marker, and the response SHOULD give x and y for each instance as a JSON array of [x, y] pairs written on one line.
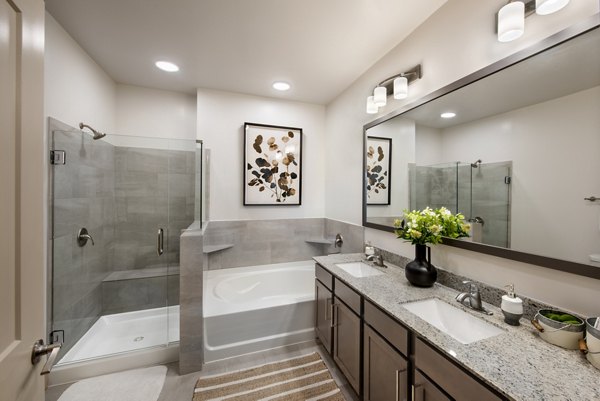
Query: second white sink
[[453, 321], [359, 269]]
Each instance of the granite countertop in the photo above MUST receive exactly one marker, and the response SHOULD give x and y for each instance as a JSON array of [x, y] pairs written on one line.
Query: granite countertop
[[517, 363]]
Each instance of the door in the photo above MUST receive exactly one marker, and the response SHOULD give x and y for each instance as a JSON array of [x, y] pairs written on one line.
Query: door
[[385, 370], [22, 197], [324, 305], [346, 343]]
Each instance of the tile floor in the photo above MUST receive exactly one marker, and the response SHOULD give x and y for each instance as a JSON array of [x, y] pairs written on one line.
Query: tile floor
[[180, 388]]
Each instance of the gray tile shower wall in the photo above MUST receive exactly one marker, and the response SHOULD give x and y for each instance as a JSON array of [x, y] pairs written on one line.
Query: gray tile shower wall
[[83, 191], [258, 242], [153, 189]]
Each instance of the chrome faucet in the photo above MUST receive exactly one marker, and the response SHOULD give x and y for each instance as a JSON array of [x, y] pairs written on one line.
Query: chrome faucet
[[472, 299], [377, 260]]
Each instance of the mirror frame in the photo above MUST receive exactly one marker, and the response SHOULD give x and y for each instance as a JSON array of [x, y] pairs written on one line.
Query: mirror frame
[[563, 36]]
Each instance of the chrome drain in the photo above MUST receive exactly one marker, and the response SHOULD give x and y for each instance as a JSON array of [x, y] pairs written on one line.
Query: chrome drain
[[140, 338]]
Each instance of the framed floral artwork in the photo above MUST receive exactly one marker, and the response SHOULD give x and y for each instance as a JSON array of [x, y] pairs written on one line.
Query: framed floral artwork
[[272, 165], [379, 170]]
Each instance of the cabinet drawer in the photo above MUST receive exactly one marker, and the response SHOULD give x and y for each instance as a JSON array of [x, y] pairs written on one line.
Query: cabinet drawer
[[392, 331], [424, 390], [348, 296], [324, 277], [457, 383]]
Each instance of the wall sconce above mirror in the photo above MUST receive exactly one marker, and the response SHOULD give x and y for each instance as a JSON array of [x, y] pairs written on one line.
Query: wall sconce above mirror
[[510, 20], [513, 147], [396, 85]]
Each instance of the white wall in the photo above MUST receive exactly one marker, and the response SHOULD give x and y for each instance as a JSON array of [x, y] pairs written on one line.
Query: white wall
[[155, 113], [221, 117], [449, 46], [76, 89]]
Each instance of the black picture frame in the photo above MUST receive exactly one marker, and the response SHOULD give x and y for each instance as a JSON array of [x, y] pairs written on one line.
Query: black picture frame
[[378, 184], [272, 165]]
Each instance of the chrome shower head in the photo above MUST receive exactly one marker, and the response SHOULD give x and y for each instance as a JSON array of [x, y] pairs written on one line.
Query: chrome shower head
[[97, 135], [476, 164]]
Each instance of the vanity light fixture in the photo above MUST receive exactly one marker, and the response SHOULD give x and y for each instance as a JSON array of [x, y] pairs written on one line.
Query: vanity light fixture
[[448, 114], [281, 86], [396, 85], [167, 66], [371, 106], [510, 20]]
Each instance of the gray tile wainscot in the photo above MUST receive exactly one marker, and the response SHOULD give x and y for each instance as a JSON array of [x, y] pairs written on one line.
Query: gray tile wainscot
[[517, 363]]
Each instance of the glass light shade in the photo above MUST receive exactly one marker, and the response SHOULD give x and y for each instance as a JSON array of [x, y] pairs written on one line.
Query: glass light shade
[[380, 96], [545, 7], [511, 21], [400, 88], [371, 106]]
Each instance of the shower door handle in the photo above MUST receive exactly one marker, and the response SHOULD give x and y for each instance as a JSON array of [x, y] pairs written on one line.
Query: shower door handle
[[160, 241]]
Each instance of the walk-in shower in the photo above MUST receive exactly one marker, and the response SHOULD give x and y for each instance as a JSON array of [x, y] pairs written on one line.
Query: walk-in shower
[[480, 191], [118, 205]]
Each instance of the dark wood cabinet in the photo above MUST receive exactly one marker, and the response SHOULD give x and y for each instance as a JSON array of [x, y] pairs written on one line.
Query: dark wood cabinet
[[424, 390], [385, 370], [346, 342], [323, 314], [449, 377], [391, 354]]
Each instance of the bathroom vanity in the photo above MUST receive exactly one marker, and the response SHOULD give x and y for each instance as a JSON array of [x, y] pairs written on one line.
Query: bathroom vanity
[[386, 352]]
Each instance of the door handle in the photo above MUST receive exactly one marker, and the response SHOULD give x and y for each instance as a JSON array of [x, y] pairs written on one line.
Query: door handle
[[417, 389], [398, 383], [160, 242], [333, 306], [329, 308], [40, 349]]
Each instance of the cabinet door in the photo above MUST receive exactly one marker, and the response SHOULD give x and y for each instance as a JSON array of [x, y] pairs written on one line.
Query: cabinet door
[[324, 305], [346, 343], [424, 390], [385, 375]]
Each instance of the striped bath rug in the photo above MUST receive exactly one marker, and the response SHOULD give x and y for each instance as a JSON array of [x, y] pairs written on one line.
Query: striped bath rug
[[297, 379]]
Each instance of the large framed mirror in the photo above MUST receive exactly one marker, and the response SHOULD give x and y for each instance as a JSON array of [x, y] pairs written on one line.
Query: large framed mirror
[[518, 154]]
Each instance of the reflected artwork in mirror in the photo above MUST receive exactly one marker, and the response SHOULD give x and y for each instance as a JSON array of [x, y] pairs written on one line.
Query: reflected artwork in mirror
[[515, 148]]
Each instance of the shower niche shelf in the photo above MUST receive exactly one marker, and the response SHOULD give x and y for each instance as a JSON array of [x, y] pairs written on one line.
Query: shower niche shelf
[[208, 249]]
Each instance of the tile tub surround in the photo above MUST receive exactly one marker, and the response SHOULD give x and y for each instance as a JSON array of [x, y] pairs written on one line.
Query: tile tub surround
[[489, 294], [517, 363], [261, 242]]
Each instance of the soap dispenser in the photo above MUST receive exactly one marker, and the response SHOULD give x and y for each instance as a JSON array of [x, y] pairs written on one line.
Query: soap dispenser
[[369, 249], [512, 306]]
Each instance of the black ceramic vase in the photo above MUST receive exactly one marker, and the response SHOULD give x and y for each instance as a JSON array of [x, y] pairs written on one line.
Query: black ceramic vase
[[420, 272]]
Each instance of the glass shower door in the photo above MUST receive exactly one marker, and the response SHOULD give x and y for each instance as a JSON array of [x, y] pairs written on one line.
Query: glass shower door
[[491, 183], [118, 205]]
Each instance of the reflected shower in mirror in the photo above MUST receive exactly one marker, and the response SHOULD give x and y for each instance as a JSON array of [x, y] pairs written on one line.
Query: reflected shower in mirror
[[516, 152]]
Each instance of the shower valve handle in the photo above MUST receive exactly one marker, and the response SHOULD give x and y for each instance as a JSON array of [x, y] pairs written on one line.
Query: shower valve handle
[[83, 236]]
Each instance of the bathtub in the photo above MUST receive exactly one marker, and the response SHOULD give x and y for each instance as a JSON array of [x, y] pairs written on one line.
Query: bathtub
[[249, 309]]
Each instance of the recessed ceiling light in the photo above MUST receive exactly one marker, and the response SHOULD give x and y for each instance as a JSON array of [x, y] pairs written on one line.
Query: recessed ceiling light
[[448, 114], [167, 66], [281, 86]]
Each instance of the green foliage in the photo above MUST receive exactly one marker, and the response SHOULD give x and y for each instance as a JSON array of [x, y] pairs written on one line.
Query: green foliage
[[428, 226]]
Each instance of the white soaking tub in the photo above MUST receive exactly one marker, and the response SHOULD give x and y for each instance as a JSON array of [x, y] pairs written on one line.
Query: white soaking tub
[[249, 309]]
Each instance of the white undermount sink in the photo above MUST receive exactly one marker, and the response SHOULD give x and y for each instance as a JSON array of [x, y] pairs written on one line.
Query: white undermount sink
[[359, 269], [453, 321]]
